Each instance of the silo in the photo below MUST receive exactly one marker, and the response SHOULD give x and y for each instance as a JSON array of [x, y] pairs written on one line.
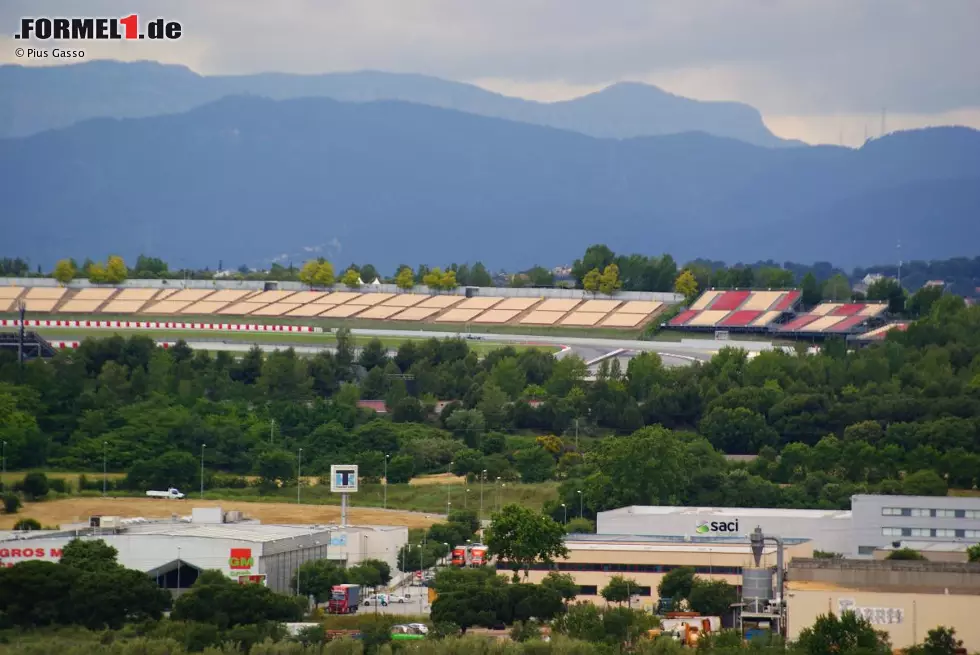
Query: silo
[[756, 589]]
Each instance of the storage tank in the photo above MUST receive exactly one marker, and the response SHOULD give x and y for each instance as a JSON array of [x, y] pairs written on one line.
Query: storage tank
[[756, 588]]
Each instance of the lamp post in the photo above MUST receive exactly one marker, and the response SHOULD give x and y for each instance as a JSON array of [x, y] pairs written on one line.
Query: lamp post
[[466, 499], [498, 495], [203, 446], [105, 445], [299, 478], [483, 477], [3, 479], [564, 508], [581, 513], [449, 489], [385, 506]]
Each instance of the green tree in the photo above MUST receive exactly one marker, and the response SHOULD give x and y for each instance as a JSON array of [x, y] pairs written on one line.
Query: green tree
[[108, 598], [677, 584], [35, 485], [561, 583], [592, 280], [712, 597], [405, 279], [469, 597], [401, 468], [535, 464], [115, 270], [810, 291], [847, 634], [924, 483], [737, 431], [64, 271], [939, 641], [369, 273], [275, 466], [433, 279], [609, 282], [521, 537], [307, 274], [317, 578], [973, 553], [11, 503], [89, 556], [921, 302], [97, 274], [324, 276], [493, 406], [596, 258], [686, 285], [448, 281], [580, 525], [351, 279], [888, 290], [619, 589], [27, 524], [906, 554], [216, 599], [34, 593]]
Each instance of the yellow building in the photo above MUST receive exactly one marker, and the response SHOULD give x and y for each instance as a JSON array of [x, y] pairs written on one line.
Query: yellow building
[[906, 599], [594, 559]]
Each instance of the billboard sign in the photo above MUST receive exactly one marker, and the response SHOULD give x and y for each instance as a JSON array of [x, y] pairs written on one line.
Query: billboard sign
[[252, 579], [240, 559], [343, 478], [716, 527]]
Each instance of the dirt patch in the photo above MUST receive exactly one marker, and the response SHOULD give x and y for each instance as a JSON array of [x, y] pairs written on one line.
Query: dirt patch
[[76, 510], [436, 478]]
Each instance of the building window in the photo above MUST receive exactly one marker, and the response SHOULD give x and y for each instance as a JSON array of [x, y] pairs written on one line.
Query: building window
[[866, 550], [891, 511], [945, 513], [588, 590], [972, 534], [891, 532], [971, 513], [944, 532]]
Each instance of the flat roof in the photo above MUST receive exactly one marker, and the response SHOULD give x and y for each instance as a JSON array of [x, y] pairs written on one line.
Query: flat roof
[[579, 539], [733, 512], [933, 546]]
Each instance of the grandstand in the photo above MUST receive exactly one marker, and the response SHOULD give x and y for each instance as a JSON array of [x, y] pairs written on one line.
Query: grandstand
[[737, 311], [32, 346], [878, 334], [224, 305], [835, 319]]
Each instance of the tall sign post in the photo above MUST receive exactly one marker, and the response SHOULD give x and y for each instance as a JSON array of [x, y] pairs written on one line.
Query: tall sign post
[[343, 481]]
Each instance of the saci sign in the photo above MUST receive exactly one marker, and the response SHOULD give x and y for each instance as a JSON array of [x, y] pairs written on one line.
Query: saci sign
[[707, 527], [240, 559]]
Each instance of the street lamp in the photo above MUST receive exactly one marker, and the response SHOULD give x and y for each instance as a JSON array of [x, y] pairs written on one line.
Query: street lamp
[[466, 499], [483, 477], [386, 481], [299, 478], [564, 509], [449, 489], [105, 444], [203, 446], [581, 513], [498, 494]]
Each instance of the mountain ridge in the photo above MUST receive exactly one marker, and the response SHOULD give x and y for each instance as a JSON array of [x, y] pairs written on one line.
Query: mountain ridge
[[245, 178], [33, 99]]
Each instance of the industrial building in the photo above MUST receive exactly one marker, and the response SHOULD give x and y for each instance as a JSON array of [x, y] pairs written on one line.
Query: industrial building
[[874, 522], [175, 551], [593, 559]]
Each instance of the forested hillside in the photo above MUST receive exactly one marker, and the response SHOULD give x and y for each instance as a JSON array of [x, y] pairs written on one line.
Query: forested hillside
[[899, 416]]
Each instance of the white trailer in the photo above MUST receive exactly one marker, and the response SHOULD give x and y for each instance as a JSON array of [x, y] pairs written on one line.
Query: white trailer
[[171, 493]]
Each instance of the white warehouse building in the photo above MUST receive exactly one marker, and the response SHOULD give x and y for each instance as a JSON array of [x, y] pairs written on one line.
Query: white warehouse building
[[874, 522], [175, 551]]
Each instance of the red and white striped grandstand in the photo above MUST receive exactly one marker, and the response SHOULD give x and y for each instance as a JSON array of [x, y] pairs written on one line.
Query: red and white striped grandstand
[[737, 310], [835, 318], [878, 334]]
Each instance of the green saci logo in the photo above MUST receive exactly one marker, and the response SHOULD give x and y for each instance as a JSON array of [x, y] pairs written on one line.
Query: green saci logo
[[702, 527]]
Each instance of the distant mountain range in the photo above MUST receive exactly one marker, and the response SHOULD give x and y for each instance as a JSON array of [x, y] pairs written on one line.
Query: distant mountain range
[[34, 99], [245, 178]]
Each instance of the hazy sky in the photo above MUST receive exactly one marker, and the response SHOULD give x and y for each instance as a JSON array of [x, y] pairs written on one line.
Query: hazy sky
[[819, 70]]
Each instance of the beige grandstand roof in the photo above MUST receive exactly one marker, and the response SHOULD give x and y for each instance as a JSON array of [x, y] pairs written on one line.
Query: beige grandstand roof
[[825, 308], [39, 305], [405, 300], [640, 307], [166, 293], [624, 319], [873, 310], [166, 307], [123, 306], [583, 318], [6, 304], [558, 305], [520, 304], [339, 297], [240, 308], [592, 306], [82, 306], [765, 319], [342, 311], [45, 293], [303, 297], [823, 323], [203, 307], [479, 302], [10, 292], [496, 316], [136, 294], [275, 309], [228, 295], [95, 293], [458, 315], [190, 295], [538, 317], [415, 314], [270, 296], [369, 299], [308, 311], [708, 318], [760, 301], [440, 302], [379, 312], [705, 299]]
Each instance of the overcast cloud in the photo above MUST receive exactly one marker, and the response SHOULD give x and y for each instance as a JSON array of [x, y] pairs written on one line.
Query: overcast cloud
[[817, 69]]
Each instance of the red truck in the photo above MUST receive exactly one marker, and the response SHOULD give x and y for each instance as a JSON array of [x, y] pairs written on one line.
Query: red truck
[[344, 599], [469, 555]]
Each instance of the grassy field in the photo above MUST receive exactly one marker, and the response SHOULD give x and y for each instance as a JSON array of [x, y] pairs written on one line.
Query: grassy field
[[78, 509], [10, 477], [275, 338]]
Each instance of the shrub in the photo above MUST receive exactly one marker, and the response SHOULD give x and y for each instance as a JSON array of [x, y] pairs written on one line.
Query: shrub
[[35, 485], [27, 524], [11, 503]]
